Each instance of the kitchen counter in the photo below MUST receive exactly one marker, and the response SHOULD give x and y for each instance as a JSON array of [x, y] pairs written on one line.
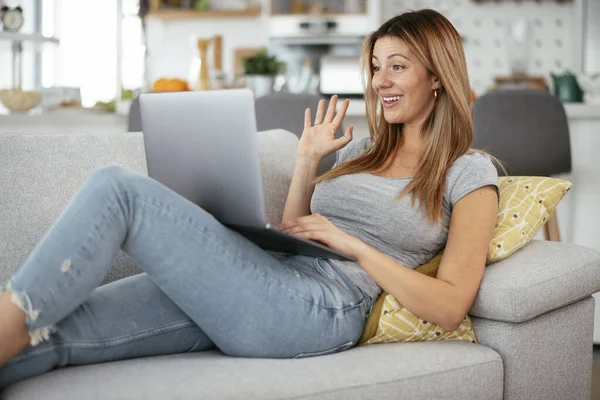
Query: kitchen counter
[[89, 120], [581, 111], [63, 121]]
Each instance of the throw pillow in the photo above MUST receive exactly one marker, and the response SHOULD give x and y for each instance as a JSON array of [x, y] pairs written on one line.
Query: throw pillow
[[372, 324], [390, 322], [526, 203], [397, 324]]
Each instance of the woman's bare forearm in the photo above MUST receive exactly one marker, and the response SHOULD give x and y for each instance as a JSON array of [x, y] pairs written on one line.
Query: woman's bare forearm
[[317, 141], [301, 188]]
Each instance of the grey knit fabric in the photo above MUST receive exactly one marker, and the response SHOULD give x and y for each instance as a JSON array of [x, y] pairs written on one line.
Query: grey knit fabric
[[39, 173], [430, 370]]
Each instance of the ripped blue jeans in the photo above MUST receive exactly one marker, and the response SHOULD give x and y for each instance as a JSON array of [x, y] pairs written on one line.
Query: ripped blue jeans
[[204, 286]]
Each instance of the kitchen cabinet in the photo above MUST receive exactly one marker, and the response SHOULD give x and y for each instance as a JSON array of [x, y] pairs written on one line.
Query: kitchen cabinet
[[322, 22], [299, 7], [175, 10], [519, 1], [64, 121], [175, 14]]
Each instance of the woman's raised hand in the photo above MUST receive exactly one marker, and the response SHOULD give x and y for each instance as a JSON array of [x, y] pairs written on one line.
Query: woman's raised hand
[[318, 139]]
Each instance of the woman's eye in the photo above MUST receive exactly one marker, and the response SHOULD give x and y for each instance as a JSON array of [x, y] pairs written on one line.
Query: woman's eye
[[397, 67], [376, 69]]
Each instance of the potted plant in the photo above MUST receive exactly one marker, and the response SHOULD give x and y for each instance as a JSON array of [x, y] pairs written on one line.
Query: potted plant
[[260, 70]]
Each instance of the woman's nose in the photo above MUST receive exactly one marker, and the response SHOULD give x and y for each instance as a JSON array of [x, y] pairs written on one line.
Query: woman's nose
[[382, 79]]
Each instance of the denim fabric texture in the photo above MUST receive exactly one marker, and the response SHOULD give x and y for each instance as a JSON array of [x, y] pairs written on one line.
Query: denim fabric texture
[[203, 286]]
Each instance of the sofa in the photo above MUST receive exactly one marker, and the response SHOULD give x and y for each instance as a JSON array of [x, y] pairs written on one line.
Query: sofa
[[533, 314]]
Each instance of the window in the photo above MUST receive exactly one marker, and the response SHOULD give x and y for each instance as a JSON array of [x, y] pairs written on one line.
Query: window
[[88, 55], [6, 60]]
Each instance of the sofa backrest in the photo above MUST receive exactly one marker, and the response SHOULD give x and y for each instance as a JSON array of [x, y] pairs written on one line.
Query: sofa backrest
[[40, 173]]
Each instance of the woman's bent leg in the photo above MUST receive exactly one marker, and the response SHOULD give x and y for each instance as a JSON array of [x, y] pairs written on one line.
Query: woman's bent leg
[[124, 319], [248, 302]]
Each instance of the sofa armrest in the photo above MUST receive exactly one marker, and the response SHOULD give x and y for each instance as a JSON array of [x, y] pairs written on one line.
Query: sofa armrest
[[540, 277]]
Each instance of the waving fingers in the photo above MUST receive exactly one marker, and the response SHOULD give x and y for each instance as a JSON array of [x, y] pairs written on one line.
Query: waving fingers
[[320, 112], [307, 122], [344, 140], [341, 113], [331, 109]]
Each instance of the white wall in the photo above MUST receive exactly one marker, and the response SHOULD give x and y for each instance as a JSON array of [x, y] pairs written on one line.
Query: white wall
[[172, 44], [483, 26]]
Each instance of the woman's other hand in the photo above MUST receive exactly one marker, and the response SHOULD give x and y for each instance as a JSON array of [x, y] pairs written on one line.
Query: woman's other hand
[[318, 139], [317, 227]]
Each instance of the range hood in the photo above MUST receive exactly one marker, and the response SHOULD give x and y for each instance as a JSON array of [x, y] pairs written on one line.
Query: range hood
[[325, 28]]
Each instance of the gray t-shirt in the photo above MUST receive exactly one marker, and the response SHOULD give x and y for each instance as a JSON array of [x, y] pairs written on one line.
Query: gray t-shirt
[[366, 206]]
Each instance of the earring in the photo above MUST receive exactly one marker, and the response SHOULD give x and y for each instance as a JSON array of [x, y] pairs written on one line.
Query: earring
[[435, 93]]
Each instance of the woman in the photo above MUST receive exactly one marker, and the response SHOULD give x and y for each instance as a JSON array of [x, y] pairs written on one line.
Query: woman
[[392, 202]]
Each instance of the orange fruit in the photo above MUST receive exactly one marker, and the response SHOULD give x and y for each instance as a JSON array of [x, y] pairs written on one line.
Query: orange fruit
[[178, 85], [170, 85], [159, 85]]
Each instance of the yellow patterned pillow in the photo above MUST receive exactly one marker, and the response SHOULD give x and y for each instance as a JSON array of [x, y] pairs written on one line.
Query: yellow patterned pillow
[[397, 324], [390, 322], [526, 203]]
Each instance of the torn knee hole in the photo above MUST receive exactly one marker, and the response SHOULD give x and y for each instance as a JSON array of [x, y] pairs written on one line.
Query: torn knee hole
[[40, 335], [22, 300]]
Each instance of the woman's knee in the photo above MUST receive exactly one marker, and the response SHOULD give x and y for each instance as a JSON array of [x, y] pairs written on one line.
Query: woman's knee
[[113, 176]]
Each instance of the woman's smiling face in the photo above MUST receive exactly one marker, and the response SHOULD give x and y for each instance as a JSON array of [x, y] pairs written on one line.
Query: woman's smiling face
[[402, 83]]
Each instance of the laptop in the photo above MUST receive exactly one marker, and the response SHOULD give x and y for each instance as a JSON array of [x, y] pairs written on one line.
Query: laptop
[[204, 145]]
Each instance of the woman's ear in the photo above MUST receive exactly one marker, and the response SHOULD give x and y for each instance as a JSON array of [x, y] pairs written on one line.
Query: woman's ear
[[435, 83]]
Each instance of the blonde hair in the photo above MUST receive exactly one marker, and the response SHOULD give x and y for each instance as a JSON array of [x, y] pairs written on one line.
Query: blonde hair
[[448, 130]]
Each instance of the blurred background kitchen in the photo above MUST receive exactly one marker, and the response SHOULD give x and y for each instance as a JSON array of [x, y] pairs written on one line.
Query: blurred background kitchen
[[99, 54]]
